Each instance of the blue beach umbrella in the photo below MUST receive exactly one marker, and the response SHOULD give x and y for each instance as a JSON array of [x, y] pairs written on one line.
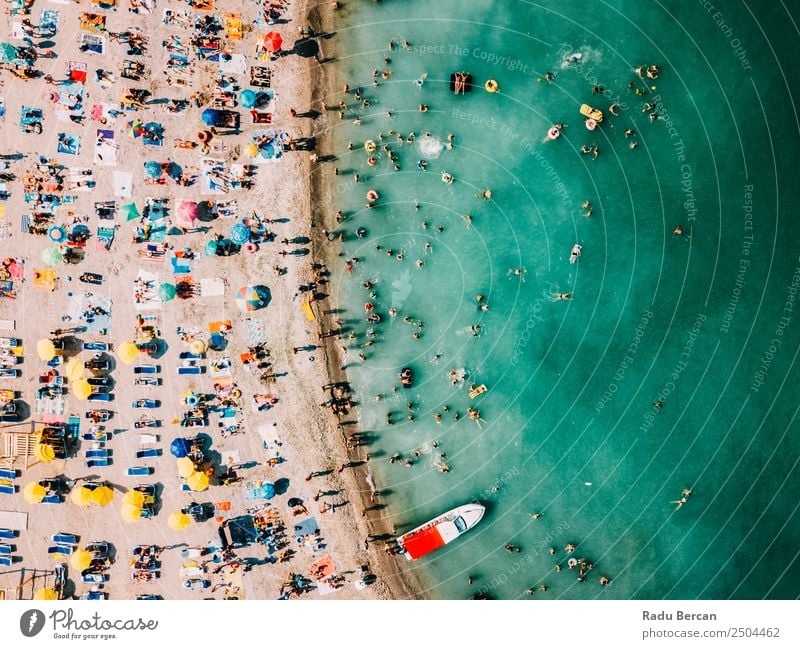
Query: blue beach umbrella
[[57, 234], [212, 117], [240, 233], [152, 169], [267, 490], [217, 342], [247, 98], [179, 447]]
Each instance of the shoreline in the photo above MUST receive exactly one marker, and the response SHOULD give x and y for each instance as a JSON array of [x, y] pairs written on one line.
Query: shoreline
[[400, 583]]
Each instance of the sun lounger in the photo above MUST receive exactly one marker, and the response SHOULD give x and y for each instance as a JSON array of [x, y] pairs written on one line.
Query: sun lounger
[[148, 439], [6, 561], [97, 453], [190, 369], [102, 461], [7, 534], [8, 474], [8, 489], [5, 549], [139, 470], [64, 539], [60, 549], [191, 573], [94, 578], [52, 500], [148, 452]]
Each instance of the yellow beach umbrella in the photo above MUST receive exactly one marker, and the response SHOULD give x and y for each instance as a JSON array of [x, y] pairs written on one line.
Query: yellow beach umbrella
[[81, 496], [34, 492], [73, 370], [81, 389], [197, 346], [46, 349], [44, 452], [178, 521], [133, 497], [185, 467], [102, 495], [81, 560], [130, 513], [198, 481], [127, 352], [45, 593]]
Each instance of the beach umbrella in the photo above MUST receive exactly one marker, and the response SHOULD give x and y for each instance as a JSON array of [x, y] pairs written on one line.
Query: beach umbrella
[[267, 490], [57, 234], [82, 496], [211, 248], [180, 447], [248, 299], [134, 128], [253, 151], [102, 495], [8, 53], [34, 492], [174, 170], [212, 117], [52, 256], [273, 41], [152, 169], [306, 47], [247, 98], [198, 481], [81, 389], [240, 233], [80, 560], [187, 212], [217, 342], [130, 211], [197, 347], [167, 292], [185, 467], [178, 521], [133, 497], [73, 369], [127, 352], [46, 349], [45, 594], [44, 452], [130, 513]]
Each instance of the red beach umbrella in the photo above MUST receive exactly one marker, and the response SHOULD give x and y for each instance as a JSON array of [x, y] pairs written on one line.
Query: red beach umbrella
[[273, 41]]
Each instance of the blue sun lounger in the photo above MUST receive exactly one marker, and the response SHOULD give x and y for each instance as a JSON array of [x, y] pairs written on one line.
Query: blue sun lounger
[[6, 561], [98, 462], [8, 489], [148, 452], [190, 369], [8, 474], [96, 453], [52, 500], [5, 549], [7, 534], [59, 549], [140, 470], [64, 539]]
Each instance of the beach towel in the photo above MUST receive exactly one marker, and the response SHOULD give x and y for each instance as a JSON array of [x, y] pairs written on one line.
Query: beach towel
[[180, 265], [69, 144], [123, 184]]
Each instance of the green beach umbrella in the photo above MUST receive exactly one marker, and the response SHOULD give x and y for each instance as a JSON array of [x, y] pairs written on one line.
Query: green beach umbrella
[[130, 211], [167, 292], [7, 52], [52, 256], [211, 248]]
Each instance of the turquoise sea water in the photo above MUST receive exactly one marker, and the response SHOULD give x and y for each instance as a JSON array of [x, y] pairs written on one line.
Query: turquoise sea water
[[705, 322]]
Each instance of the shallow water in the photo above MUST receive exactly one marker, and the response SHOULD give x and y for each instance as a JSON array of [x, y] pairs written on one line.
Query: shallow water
[[704, 322]]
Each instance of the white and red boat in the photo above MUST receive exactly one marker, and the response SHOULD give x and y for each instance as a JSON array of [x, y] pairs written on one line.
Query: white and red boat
[[440, 531]]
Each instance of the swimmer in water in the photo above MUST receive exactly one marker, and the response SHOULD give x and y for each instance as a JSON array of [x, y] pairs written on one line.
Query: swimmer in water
[[447, 178], [423, 108], [562, 296]]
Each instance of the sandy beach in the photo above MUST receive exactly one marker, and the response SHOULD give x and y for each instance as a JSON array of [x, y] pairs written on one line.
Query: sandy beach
[[295, 427]]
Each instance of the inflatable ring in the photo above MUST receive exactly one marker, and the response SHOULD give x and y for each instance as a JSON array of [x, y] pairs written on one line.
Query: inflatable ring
[[369, 306], [491, 86], [204, 136], [372, 195], [53, 97], [372, 161], [553, 133], [250, 248], [192, 400], [236, 393], [591, 124], [370, 146], [361, 233]]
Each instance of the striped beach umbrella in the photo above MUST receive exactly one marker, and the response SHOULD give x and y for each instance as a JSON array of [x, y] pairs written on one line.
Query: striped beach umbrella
[[248, 299]]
